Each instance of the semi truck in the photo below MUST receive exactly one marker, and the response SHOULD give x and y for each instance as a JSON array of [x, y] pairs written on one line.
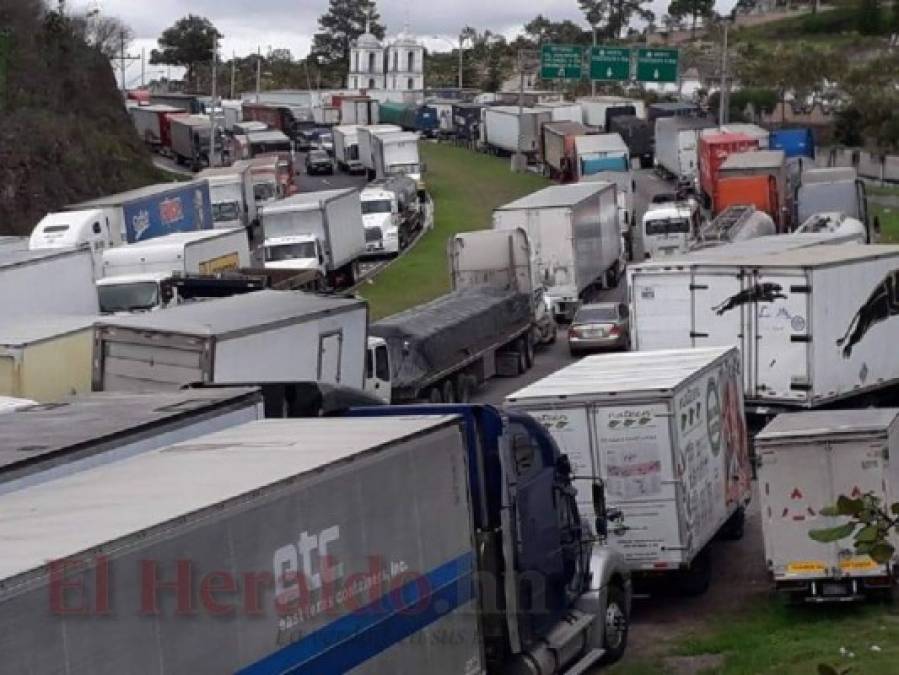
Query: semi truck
[[482, 564], [423, 119], [807, 460], [666, 433], [153, 124], [558, 148], [232, 197], [74, 229], [190, 141], [839, 190], [272, 178], [346, 148], [25, 282], [810, 320], [265, 336], [563, 111], [677, 147], [757, 179], [364, 136], [601, 152], [467, 121], [274, 116], [576, 239], [391, 214], [510, 129], [316, 230], [637, 135], [92, 428], [714, 149], [153, 211]]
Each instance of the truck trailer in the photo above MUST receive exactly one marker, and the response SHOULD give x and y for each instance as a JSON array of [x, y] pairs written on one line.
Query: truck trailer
[[637, 135], [364, 138], [153, 124], [391, 214], [595, 108], [396, 155], [47, 281], [558, 148], [806, 461], [757, 179], [666, 433], [576, 239], [191, 143], [798, 142], [601, 152], [265, 336], [424, 577], [346, 148], [677, 146], [232, 198], [510, 129]]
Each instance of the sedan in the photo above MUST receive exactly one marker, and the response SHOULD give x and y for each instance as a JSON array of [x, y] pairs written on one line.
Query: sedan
[[603, 325], [319, 161]]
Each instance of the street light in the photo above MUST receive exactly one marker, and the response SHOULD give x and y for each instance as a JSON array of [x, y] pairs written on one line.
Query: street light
[[461, 41]]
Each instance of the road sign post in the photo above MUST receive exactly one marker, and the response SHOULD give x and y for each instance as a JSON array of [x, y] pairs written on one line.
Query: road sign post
[[657, 65], [561, 62], [610, 63]]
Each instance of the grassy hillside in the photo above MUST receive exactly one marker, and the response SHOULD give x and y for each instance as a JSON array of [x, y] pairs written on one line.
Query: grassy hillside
[[65, 135], [466, 187]]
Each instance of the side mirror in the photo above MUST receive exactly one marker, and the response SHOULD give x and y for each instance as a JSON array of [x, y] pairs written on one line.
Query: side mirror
[[599, 508]]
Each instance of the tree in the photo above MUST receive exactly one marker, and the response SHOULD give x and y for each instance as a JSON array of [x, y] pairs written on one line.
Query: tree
[[695, 9], [344, 21], [611, 17], [188, 42], [540, 30], [868, 17], [870, 524], [107, 34]]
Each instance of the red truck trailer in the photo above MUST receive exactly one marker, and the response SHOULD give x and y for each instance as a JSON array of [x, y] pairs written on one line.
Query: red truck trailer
[[714, 149], [153, 124], [758, 178]]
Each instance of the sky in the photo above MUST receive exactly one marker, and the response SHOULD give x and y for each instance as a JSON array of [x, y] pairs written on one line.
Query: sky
[[290, 24]]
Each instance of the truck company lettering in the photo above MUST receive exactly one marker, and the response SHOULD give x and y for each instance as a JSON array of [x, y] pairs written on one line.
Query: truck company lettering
[[295, 562], [882, 303]]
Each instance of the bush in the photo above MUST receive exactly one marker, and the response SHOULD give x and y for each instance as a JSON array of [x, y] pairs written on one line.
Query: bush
[[868, 18]]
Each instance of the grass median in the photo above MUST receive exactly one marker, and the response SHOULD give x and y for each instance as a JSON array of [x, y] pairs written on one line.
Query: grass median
[[466, 187]]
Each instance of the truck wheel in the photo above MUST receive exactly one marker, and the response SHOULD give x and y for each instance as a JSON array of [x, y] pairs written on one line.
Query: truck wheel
[[733, 529], [449, 394], [614, 639], [695, 580], [464, 388]]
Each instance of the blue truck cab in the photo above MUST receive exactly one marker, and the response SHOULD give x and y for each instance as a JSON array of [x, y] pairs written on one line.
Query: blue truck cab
[[794, 142]]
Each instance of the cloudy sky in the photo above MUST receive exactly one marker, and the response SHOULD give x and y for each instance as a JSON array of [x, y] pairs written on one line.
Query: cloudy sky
[[290, 24]]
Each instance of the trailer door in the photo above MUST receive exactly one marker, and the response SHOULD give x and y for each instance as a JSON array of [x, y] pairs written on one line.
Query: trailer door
[[329, 352], [137, 362], [720, 308], [782, 341], [660, 310]]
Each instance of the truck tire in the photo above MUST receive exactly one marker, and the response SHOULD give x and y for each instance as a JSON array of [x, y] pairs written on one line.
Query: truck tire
[[696, 579], [449, 393], [464, 388], [734, 527], [614, 638]]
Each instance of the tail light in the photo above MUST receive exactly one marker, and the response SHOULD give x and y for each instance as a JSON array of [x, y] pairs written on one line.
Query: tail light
[[615, 330], [576, 332]]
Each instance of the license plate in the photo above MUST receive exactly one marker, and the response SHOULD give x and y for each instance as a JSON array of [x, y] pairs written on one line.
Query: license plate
[[806, 567], [596, 333], [834, 589]]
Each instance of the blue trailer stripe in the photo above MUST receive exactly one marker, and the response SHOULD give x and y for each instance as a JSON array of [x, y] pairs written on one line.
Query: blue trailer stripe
[[354, 638]]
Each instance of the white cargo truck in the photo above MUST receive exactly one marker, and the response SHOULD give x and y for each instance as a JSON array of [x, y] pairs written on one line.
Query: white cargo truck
[[807, 460], [47, 281], [396, 155], [266, 336], [346, 148], [576, 240], [364, 136], [601, 152], [813, 323], [666, 432], [71, 229], [84, 431], [595, 108], [316, 231], [231, 197], [511, 129], [677, 146], [563, 111], [667, 229]]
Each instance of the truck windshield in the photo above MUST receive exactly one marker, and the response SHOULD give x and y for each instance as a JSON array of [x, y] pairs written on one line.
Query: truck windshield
[[128, 297], [300, 251], [225, 211], [376, 206], [667, 226], [263, 192]]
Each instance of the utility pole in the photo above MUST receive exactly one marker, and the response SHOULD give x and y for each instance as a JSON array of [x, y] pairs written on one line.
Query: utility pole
[[722, 98], [212, 106], [143, 68], [233, 73], [592, 81], [258, 72], [123, 57], [461, 39], [519, 161]]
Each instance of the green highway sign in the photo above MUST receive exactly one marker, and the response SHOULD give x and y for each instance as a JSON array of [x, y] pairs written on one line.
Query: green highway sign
[[610, 63], [657, 65], [561, 62]]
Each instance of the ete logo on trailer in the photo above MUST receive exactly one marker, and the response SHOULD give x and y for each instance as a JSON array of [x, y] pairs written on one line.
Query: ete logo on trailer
[[713, 416]]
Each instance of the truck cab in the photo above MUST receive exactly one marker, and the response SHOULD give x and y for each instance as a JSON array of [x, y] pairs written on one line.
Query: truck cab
[[668, 228], [381, 220], [69, 229], [296, 252], [232, 198], [134, 292]]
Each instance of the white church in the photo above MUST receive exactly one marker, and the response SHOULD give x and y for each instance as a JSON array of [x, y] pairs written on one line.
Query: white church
[[398, 66]]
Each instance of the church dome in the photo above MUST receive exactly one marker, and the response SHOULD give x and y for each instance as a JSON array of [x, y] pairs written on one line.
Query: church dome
[[368, 41], [405, 39]]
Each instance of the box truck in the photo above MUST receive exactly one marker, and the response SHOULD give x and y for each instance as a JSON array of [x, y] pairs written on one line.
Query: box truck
[[271, 177], [836, 190], [359, 110], [346, 148], [433, 576], [666, 433], [757, 179], [812, 323], [669, 228], [595, 108], [563, 111], [799, 142], [576, 239], [601, 152], [558, 148], [44, 442], [510, 129], [806, 461], [48, 281], [677, 146], [396, 155], [154, 210], [232, 198], [316, 230], [265, 336], [190, 141], [467, 121], [153, 124], [637, 135], [44, 358], [714, 149], [625, 186], [423, 119], [364, 135]]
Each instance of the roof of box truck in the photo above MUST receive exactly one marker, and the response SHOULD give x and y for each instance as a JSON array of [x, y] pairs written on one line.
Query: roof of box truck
[[39, 432], [31, 329], [827, 422], [600, 143], [238, 313], [514, 110], [616, 374], [131, 195], [305, 200], [823, 255], [567, 128], [155, 488], [174, 240], [556, 196], [14, 255], [757, 159]]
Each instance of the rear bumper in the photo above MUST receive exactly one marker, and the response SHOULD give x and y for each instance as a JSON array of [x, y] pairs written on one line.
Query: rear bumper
[[831, 589], [610, 342]]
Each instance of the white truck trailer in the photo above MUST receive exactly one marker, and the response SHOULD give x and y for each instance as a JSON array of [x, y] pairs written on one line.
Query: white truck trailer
[[677, 146], [84, 431], [231, 197], [511, 129], [316, 231], [46, 281], [396, 155], [346, 147], [364, 136], [813, 323], [595, 108], [575, 235], [666, 432], [806, 461], [265, 336]]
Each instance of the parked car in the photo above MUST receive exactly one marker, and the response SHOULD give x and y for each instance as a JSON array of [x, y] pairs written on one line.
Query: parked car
[[319, 161], [602, 325]]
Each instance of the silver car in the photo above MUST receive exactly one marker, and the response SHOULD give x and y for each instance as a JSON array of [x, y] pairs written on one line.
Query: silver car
[[603, 325]]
